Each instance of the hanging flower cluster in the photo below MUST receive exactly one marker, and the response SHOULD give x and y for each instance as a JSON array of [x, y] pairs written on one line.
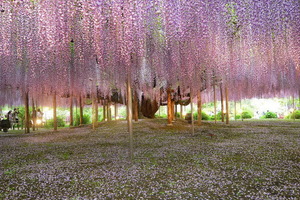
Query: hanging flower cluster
[[71, 46]]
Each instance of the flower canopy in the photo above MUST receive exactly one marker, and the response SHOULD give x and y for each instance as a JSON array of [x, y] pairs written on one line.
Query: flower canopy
[[70, 46]]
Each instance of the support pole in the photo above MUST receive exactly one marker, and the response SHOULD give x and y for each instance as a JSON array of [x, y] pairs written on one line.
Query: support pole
[[294, 108], [108, 111], [222, 102], [54, 112], [192, 113], [116, 111], [169, 107], [104, 110], [71, 111], [129, 115], [235, 110], [80, 110], [199, 107], [227, 103], [181, 114], [94, 112], [215, 102], [33, 116], [135, 107], [173, 110], [27, 117]]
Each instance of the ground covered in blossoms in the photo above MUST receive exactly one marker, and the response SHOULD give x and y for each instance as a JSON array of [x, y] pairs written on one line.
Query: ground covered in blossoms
[[248, 160]]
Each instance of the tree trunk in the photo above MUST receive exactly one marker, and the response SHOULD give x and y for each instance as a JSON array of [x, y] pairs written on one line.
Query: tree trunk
[[199, 107], [80, 110], [169, 104], [27, 117], [129, 115], [71, 111], [222, 102], [215, 102], [54, 113], [227, 106]]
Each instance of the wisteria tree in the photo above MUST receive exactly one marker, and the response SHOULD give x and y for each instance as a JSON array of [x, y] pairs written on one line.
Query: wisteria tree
[[56, 47]]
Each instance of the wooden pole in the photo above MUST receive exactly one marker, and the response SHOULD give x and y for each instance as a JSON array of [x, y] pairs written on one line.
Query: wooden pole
[[71, 111], [36, 106], [199, 107], [54, 112], [80, 110], [27, 117], [169, 107], [33, 116], [227, 103], [235, 110], [215, 102], [175, 111], [108, 111], [222, 102], [129, 115], [294, 108], [94, 112], [192, 113], [116, 111], [135, 107], [104, 110], [172, 110], [181, 114]]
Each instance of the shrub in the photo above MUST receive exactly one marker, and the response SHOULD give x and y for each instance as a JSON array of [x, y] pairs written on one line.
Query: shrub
[[294, 115], [238, 117], [161, 116], [219, 116], [86, 119], [204, 116], [246, 115], [60, 122], [269, 115]]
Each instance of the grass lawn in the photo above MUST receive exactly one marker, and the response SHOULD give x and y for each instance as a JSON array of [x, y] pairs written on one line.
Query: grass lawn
[[244, 160]]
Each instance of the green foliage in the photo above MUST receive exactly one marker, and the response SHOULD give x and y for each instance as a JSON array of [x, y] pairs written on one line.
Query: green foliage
[[60, 122], [219, 116], [294, 115], [21, 114], [269, 115], [204, 116], [238, 117], [246, 115], [86, 119], [161, 116]]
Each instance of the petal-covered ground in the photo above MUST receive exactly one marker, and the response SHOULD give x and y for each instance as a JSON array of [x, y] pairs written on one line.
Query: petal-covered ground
[[244, 160]]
